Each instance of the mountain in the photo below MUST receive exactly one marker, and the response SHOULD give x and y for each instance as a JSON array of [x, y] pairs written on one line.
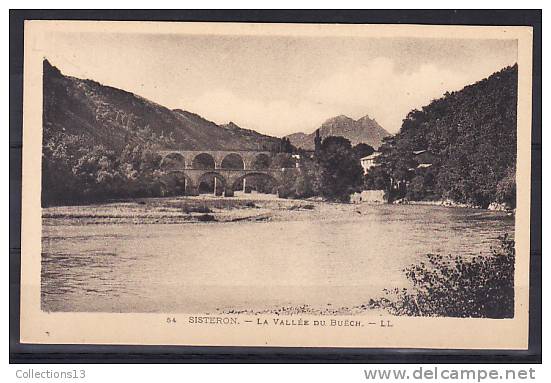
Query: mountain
[[104, 115], [364, 130]]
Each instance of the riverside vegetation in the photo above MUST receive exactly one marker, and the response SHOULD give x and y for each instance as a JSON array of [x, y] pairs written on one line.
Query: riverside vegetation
[[454, 286]]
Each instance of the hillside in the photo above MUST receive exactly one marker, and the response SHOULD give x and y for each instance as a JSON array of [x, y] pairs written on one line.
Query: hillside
[[471, 136], [101, 143], [363, 130], [103, 115]]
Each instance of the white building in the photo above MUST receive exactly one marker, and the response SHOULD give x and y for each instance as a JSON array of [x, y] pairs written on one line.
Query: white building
[[369, 161]]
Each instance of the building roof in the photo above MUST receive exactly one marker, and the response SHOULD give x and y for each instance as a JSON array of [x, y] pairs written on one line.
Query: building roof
[[371, 156]]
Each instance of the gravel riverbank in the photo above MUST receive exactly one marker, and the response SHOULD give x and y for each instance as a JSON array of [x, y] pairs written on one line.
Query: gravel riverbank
[[245, 207]]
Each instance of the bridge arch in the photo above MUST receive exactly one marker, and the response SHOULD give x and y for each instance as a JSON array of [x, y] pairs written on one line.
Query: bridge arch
[[232, 161], [257, 181], [261, 161], [177, 183], [173, 161], [211, 182], [203, 161]]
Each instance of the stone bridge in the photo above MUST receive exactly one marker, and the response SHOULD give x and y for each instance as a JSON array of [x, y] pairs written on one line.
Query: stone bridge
[[223, 171]]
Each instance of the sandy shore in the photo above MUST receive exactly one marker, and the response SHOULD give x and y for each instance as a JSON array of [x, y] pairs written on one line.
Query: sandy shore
[[243, 207]]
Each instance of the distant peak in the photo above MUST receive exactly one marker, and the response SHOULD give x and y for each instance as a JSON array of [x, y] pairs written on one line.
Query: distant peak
[[339, 118], [366, 118]]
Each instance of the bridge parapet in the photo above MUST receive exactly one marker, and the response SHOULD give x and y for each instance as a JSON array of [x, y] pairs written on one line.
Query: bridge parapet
[[248, 157]]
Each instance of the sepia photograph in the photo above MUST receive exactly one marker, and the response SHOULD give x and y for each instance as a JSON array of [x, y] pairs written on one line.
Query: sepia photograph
[[258, 184]]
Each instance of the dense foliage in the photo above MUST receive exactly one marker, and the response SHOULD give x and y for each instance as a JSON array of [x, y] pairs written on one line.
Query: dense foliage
[[76, 171], [455, 286], [73, 171], [341, 173], [471, 137], [333, 173], [362, 150]]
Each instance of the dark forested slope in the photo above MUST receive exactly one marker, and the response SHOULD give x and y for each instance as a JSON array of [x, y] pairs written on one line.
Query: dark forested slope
[[112, 117], [461, 146]]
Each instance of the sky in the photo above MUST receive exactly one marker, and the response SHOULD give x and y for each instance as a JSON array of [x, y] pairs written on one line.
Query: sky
[[279, 85]]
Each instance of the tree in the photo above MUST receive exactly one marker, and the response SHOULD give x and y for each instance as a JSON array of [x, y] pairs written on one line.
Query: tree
[[140, 164], [285, 146], [282, 161], [341, 172], [394, 167], [59, 154], [96, 170], [362, 150], [377, 178], [506, 188], [307, 182], [286, 187]]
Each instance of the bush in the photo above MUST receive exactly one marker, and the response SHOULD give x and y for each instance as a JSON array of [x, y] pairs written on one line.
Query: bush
[[206, 218], [195, 209], [506, 189], [452, 286]]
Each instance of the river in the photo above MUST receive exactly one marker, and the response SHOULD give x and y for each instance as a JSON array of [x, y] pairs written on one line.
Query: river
[[333, 261]]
